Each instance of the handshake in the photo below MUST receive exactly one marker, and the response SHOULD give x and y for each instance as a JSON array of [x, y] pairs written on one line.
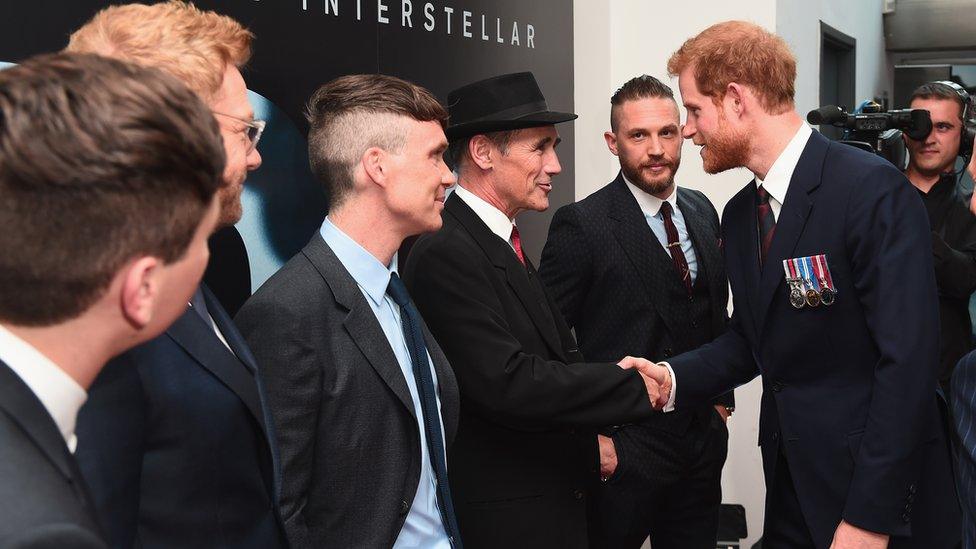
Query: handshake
[[657, 379]]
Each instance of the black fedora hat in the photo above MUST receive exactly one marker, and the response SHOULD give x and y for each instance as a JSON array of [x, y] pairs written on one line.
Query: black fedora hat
[[506, 102]]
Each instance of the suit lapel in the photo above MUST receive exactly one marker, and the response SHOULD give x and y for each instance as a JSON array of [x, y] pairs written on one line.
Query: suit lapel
[[645, 252], [199, 340], [360, 323], [792, 219], [697, 223], [501, 256], [24, 408]]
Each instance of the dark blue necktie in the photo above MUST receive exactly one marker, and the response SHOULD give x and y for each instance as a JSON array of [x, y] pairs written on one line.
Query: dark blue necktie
[[412, 332]]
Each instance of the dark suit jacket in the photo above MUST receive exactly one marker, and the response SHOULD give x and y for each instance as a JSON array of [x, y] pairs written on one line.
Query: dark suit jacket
[[849, 390], [42, 494], [174, 443], [618, 288], [964, 413], [526, 446], [350, 443]]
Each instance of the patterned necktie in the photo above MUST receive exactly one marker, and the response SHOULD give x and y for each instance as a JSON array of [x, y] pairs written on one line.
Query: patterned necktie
[[414, 336], [767, 223], [674, 247], [517, 244]]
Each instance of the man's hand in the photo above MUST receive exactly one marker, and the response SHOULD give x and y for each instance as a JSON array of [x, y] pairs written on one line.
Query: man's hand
[[848, 536], [656, 379], [608, 457]]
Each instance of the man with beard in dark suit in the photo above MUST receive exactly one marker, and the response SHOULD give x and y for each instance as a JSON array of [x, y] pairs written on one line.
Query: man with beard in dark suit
[[525, 456], [177, 443], [829, 256], [108, 174], [636, 269]]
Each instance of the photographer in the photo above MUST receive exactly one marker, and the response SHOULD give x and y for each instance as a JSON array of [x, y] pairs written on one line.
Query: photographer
[[931, 169]]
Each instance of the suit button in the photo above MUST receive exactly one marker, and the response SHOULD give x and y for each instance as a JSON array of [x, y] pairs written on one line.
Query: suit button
[[578, 494], [691, 298], [911, 488], [694, 323], [404, 507], [668, 352], [775, 436], [905, 517], [777, 386]]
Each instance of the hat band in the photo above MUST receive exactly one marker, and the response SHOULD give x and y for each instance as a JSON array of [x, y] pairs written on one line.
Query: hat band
[[513, 113]]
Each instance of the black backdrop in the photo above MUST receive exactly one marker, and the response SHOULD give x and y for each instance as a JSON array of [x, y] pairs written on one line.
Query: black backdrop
[[303, 43]]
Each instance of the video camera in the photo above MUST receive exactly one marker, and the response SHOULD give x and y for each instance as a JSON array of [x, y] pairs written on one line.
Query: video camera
[[876, 130]]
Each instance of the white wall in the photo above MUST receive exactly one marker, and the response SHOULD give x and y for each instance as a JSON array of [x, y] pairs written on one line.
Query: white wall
[[618, 39]]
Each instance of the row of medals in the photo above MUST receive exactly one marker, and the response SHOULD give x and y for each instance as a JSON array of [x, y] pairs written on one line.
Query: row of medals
[[800, 298]]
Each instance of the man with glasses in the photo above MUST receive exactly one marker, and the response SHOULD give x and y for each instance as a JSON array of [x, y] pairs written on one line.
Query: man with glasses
[[175, 441]]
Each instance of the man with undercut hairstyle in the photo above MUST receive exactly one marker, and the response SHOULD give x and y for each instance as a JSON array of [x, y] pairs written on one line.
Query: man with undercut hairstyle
[[637, 269], [176, 441], [364, 400], [108, 175]]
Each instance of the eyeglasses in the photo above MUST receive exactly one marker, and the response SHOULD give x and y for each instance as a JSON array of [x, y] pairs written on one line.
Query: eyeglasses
[[254, 129]]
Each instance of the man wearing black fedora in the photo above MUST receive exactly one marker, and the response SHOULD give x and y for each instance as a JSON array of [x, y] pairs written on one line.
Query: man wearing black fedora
[[525, 455]]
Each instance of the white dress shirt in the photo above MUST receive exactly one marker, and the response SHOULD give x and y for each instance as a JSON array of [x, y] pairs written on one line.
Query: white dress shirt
[[497, 221], [60, 394], [778, 177], [650, 205], [777, 183]]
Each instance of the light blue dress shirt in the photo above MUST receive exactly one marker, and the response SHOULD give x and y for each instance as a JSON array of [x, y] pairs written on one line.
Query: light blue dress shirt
[[423, 527], [651, 206]]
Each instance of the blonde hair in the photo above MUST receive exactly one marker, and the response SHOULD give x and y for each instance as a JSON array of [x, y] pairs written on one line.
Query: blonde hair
[[193, 45], [741, 52]]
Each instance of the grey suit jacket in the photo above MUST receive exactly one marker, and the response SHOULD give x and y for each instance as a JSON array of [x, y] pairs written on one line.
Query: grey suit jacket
[[347, 430], [43, 498]]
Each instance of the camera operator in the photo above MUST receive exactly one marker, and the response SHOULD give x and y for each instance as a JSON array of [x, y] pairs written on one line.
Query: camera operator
[[931, 169]]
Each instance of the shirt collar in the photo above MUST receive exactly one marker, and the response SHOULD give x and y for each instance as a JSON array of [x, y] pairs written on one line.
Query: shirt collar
[[650, 204], [497, 221], [778, 178], [371, 275], [60, 394]]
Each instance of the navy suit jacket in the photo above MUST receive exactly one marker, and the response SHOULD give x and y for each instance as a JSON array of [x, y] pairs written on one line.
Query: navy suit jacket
[[964, 414], [849, 390], [43, 500], [175, 444]]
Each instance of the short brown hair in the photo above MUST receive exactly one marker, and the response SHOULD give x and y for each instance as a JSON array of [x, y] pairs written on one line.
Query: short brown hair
[[937, 90], [639, 87], [737, 51], [193, 45], [100, 162], [353, 113]]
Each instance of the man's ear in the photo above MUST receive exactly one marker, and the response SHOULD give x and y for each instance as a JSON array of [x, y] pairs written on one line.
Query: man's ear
[[735, 98], [480, 148], [140, 290], [611, 139], [374, 164]]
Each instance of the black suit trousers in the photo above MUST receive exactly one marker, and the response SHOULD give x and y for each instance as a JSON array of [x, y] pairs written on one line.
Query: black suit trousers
[[666, 485]]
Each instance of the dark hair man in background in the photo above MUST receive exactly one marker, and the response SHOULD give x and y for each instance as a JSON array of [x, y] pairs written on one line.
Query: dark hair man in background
[[835, 306], [108, 173], [931, 169], [526, 450], [364, 399], [637, 269], [175, 440]]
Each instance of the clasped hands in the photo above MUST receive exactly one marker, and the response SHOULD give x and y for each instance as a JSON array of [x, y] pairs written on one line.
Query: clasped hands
[[657, 379]]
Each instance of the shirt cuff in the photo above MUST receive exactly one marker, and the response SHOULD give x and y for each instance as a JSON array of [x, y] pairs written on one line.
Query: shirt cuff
[[669, 407]]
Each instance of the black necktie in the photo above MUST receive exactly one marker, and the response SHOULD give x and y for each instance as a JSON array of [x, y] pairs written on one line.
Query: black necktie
[[414, 336], [674, 247], [767, 223]]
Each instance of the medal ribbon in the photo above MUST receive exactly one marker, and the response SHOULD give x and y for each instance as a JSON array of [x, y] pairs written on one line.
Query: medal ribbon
[[808, 273]]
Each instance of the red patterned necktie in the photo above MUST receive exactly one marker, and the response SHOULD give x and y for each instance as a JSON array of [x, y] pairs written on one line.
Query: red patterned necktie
[[767, 223], [674, 247], [517, 244]]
